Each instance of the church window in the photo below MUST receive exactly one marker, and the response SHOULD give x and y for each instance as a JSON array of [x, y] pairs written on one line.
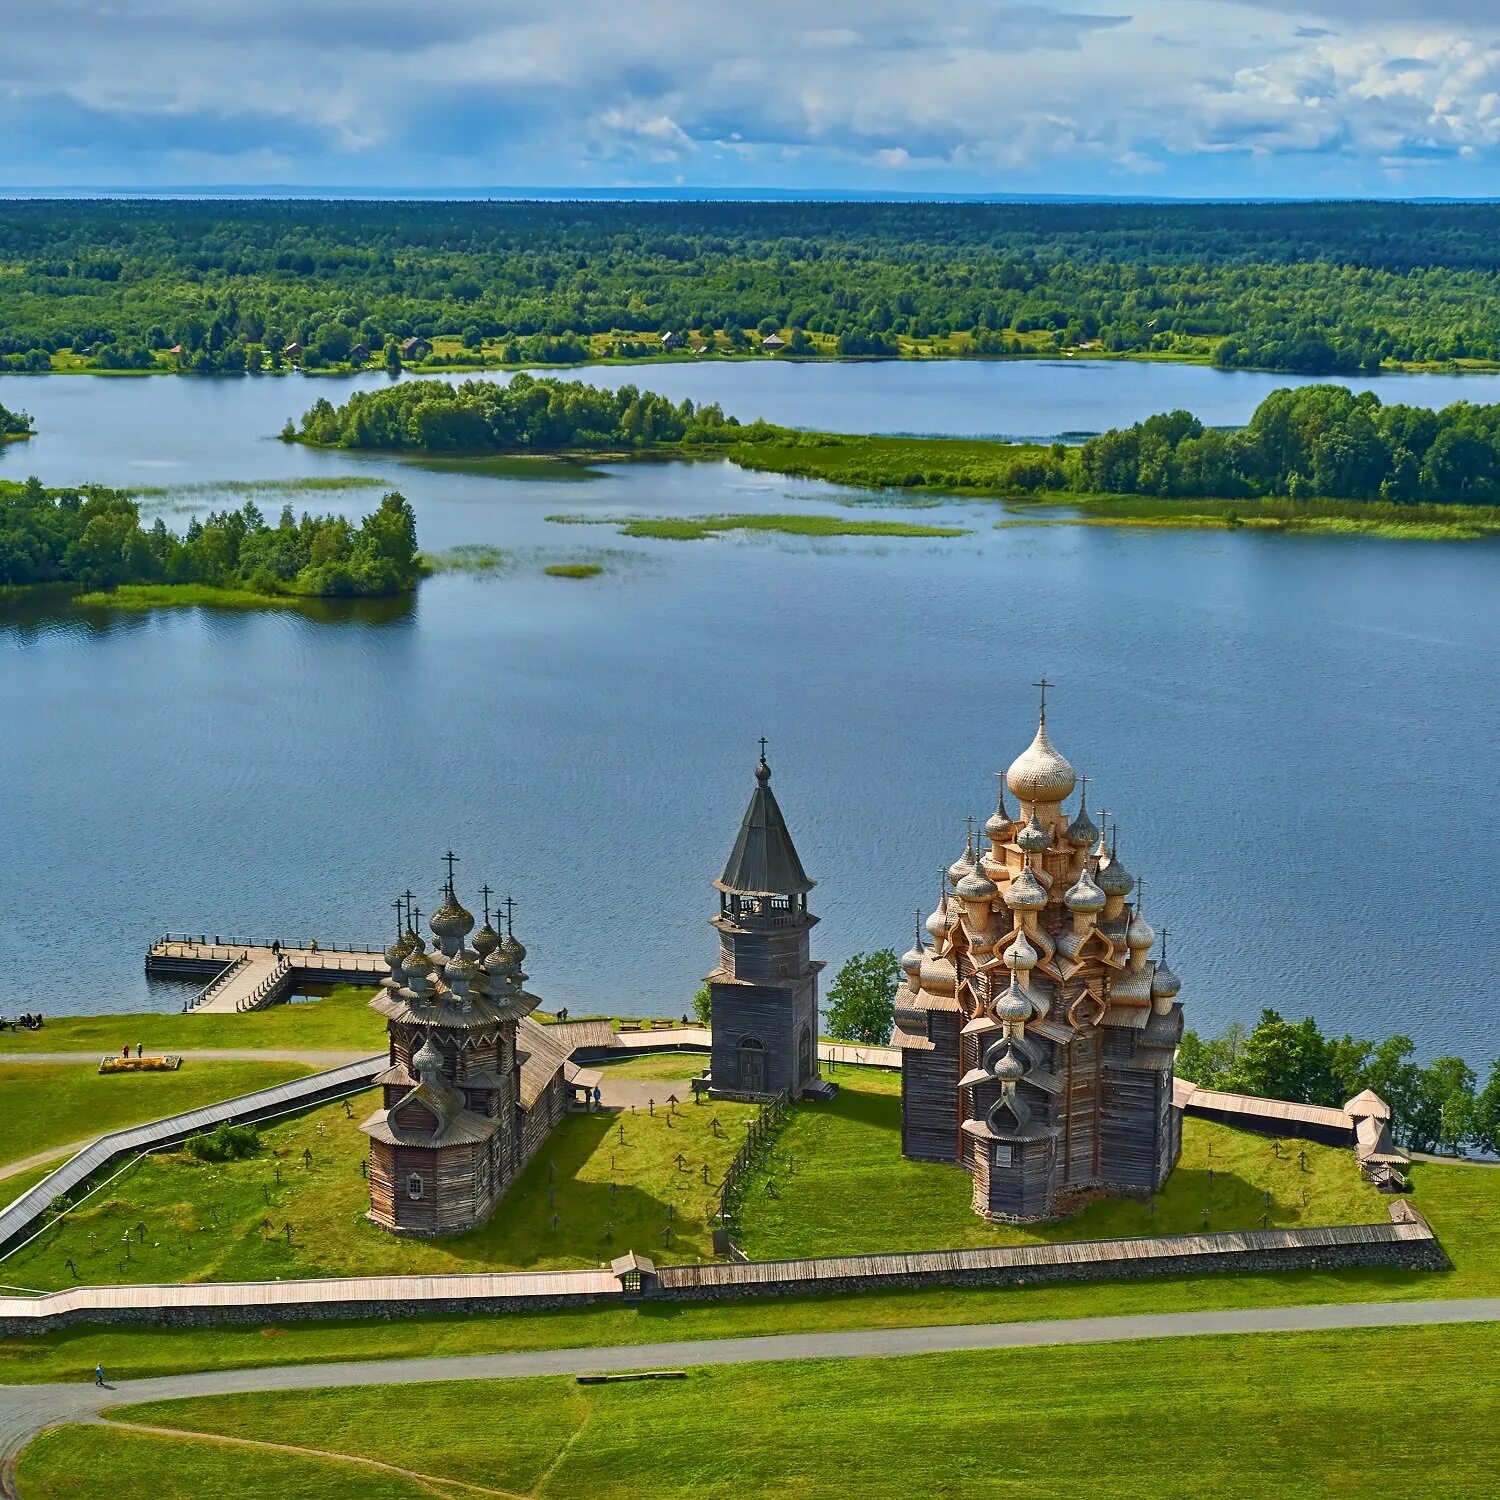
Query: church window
[[414, 1185]]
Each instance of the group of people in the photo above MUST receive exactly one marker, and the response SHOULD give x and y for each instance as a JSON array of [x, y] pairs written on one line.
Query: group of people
[[30, 1022]]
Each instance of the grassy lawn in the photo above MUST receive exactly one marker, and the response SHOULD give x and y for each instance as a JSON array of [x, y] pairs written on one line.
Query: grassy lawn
[[43, 1105], [341, 1022], [1283, 1415], [217, 1222], [850, 1192], [669, 1067]]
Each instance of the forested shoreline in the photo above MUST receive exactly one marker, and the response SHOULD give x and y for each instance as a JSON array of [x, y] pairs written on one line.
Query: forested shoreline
[[93, 539], [1439, 1107], [214, 286], [14, 424], [1314, 442]]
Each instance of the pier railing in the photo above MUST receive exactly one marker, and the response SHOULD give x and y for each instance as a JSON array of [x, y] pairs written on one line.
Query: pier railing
[[202, 940], [268, 989], [218, 982]]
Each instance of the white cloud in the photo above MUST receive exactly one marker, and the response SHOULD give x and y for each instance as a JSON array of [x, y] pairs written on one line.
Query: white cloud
[[984, 94]]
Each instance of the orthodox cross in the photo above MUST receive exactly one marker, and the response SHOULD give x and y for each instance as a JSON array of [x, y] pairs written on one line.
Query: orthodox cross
[[486, 892], [452, 860], [1164, 945], [1140, 895], [1083, 790], [763, 743], [416, 918], [510, 907], [406, 897], [1043, 684], [399, 912]]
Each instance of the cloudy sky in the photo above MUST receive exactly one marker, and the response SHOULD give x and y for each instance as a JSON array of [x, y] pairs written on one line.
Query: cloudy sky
[[1169, 97]]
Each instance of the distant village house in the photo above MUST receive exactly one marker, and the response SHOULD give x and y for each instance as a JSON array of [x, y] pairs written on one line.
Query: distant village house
[[417, 348], [773, 342]]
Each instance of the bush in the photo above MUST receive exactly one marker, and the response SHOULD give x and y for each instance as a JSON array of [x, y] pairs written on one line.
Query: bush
[[225, 1142]]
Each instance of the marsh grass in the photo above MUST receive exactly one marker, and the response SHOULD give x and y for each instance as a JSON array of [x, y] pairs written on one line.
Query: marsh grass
[[573, 570], [468, 557], [697, 528]]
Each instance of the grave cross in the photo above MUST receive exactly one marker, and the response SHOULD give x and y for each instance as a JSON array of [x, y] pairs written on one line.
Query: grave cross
[[287, 1229]]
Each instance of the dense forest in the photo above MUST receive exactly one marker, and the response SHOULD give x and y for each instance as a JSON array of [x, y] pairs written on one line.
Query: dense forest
[[1303, 443], [1313, 441], [93, 538], [13, 423], [219, 286], [523, 415], [1439, 1107]]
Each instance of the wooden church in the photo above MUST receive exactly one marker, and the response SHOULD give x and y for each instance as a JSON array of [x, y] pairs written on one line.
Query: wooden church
[[474, 1084], [1037, 1032]]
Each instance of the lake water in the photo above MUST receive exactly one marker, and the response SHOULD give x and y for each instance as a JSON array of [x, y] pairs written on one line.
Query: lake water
[[1299, 735]]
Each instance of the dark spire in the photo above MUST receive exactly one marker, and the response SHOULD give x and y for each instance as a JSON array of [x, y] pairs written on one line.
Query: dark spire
[[764, 861]]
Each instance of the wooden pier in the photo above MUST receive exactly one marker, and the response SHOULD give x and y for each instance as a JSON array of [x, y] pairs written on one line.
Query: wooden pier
[[249, 975]]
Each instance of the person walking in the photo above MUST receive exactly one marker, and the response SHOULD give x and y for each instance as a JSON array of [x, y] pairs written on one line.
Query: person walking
[[98, 1374], [140, 1048]]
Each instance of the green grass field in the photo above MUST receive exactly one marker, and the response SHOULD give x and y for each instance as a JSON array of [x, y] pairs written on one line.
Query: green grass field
[[340, 1022], [217, 1222], [47, 1105], [1352, 1414], [848, 1190]]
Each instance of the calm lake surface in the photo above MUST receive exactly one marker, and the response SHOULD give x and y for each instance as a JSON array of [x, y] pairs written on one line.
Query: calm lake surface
[[1300, 736]]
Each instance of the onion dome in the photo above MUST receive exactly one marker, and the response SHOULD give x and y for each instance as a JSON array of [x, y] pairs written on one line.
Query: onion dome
[[459, 969], [911, 960], [1000, 824], [940, 923], [398, 950], [1081, 831], [1033, 838], [1026, 892], [1008, 1068], [485, 941], [1012, 1004], [976, 885], [1041, 773], [428, 1059], [1165, 985], [513, 948], [450, 920], [416, 963], [1140, 934], [1113, 878], [1020, 955], [1084, 894], [965, 862]]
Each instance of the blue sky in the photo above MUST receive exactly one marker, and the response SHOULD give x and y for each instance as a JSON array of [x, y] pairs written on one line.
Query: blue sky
[[1140, 97]]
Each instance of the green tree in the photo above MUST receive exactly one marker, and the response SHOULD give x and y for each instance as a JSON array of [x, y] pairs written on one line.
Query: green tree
[[861, 999], [1284, 1060], [1486, 1130], [703, 1005]]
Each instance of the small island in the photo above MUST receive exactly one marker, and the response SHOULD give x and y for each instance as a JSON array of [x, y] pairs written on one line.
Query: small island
[[14, 425], [92, 541]]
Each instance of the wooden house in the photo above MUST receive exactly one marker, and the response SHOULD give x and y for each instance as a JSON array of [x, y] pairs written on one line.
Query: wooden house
[[417, 348], [772, 343], [359, 354], [671, 340], [1038, 1035], [293, 350], [765, 988]]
